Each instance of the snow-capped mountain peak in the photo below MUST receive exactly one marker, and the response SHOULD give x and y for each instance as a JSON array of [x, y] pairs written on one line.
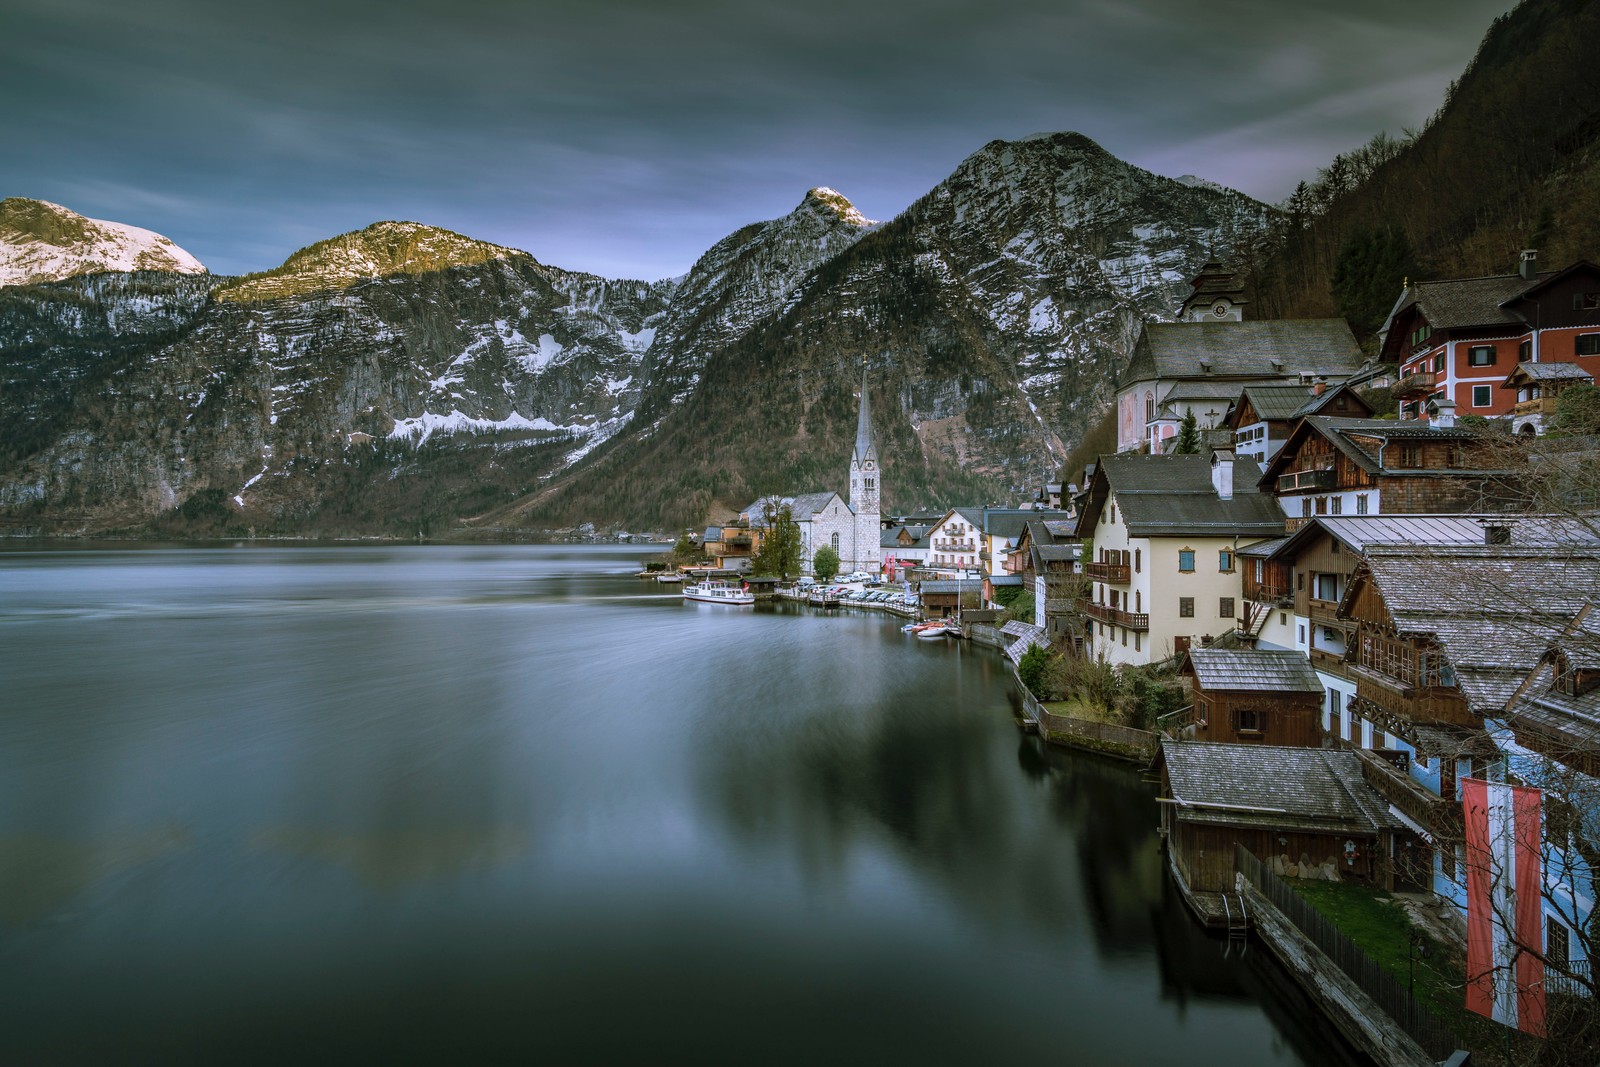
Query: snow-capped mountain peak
[[44, 242]]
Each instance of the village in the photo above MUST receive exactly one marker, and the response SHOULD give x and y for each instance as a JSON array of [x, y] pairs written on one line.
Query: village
[[1342, 607]]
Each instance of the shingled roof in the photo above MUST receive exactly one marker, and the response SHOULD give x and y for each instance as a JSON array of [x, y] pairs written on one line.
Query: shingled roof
[[1294, 788], [1459, 302], [1494, 609], [1257, 669], [1262, 349], [1173, 496]]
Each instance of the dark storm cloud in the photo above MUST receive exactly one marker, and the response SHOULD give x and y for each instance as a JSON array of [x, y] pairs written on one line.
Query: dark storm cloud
[[626, 137]]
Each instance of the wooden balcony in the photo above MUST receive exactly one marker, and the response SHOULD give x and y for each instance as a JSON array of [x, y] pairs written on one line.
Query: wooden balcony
[[1316, 478], [1420, 383], [1539, 405], [1405, 700], [1332, 662], [1112, 616], [1326, 613], [1115, 573]]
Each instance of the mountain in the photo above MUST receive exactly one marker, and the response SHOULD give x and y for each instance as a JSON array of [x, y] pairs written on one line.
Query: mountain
[[379, 381], [741, 281], [993, 316], [43, 242], [407, 379]]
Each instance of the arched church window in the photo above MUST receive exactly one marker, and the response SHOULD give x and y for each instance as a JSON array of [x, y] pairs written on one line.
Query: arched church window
[[836, 542], [1149, 406]]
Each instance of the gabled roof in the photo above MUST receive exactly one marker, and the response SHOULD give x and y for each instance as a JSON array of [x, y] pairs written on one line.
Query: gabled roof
[[1494, 609], [1173, 496], [1459, 303], [1315, 403], [1545, 372], [1256, 669], [1359, 532], [1276, 403], [712, 536], [804, 506], [1010, 522], [1308, 788], [1243, 350]]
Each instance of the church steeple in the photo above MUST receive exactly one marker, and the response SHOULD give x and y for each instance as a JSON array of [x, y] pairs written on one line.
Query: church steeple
[[865, 449]]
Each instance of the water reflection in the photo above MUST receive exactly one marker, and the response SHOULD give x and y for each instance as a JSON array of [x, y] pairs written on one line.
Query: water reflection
[[399, 803]]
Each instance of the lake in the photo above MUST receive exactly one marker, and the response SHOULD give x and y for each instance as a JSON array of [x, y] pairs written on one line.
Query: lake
[[319, 803]]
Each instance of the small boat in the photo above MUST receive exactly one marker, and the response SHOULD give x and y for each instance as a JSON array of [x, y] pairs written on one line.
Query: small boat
[[670, 578], [718, 593], [932, 633]]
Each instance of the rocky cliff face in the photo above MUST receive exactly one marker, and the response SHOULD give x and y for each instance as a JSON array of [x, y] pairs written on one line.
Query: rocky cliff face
[[45, 242], [263, 384], [993, 316], [404, 378]]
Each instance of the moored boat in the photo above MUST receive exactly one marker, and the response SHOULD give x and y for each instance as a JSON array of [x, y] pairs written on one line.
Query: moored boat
[[709, 592], [670, 578]]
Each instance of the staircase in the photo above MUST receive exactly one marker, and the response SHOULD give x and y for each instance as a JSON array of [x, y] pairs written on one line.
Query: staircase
[[1256, 621]]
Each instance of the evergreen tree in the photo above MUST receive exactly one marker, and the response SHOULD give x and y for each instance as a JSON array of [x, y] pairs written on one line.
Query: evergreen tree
[[1372, 267], [825, 564], [1188, 443]]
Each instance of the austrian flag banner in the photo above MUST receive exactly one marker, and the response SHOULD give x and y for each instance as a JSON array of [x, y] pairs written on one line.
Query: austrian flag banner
[[1505, 921]]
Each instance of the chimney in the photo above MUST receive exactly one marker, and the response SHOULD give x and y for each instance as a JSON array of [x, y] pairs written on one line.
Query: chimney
[[1442, 414], [1496, 531], [1222, 473], [1529, 267], [1319, 387]]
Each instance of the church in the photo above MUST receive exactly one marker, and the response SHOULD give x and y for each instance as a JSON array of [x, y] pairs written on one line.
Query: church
[[851, 528]]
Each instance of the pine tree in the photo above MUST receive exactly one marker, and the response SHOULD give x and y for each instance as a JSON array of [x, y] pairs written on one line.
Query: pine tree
[[1188, 443]]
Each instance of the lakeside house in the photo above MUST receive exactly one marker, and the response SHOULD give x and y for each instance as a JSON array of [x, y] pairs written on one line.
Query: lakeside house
[[1252, 696], [1166, 531], [1262, 416], [1305, 812]]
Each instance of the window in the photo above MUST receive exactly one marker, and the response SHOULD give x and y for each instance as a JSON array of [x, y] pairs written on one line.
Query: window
[[1322, 505], [835, 542], [1482, 396], [1361, 503], [1149, 407], [1138, 600], [1247, 720], [1186, 560], [1480, 356], [1259, 566], [1225, 561], [1586, 301], [1557, 948], [1136, 640], [1421, 334], [1525, 351], [1327, 587], [1305, 506], [1138, 559], [1438, 361], [1225, 607], [1411, 455], [1587, 344], [1186, 607], [1124, 634]]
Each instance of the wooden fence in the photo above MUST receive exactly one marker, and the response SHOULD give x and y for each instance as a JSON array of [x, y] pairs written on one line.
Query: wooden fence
[[1388, 992]]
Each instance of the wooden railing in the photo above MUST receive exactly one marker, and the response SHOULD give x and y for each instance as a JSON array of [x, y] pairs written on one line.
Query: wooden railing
[[1422, 381], [1308, 479], [1440, 817], [1332, 661], [1539, 405], [1114, 616], [1116, 573]]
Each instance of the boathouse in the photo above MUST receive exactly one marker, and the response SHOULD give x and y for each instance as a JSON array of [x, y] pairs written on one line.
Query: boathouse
[[1253, 696]]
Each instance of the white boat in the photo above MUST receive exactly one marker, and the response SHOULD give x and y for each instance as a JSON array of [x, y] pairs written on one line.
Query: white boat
[[932, 633], [671, 578], [718, 593]]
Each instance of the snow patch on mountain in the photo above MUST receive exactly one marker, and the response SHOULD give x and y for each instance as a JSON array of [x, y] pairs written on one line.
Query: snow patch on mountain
[[45, 242]]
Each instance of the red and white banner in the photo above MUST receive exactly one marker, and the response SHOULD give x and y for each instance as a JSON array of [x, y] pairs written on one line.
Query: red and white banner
[[1505, 914]]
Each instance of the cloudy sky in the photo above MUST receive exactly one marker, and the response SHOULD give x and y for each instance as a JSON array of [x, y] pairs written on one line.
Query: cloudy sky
[[624, 137]]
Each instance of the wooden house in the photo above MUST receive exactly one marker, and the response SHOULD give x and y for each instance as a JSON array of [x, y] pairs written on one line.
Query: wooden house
[[1305, 812], [943, 598], [1263, 415], [1336, 466], [1253, 696]]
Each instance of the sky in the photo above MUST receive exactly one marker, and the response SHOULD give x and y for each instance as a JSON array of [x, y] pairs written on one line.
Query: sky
[[625, 137]]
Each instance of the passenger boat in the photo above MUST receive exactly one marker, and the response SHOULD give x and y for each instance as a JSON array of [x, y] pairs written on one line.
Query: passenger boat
[[718, 593]]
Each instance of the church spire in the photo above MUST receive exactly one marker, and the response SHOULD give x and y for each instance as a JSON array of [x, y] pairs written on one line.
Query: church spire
[[865, 449]]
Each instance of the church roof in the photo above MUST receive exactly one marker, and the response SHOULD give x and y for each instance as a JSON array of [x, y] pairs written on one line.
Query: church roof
[[1265, 349]]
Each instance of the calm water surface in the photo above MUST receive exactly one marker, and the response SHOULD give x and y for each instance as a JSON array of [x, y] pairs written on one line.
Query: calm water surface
[[325, 804]]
